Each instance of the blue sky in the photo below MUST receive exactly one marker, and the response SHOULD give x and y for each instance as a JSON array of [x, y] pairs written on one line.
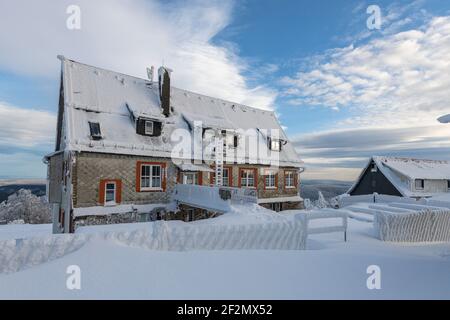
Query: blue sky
[[342, 91]]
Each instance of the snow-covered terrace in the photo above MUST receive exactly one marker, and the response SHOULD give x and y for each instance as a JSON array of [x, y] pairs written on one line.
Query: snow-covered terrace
[[213, 198], [401, 219]]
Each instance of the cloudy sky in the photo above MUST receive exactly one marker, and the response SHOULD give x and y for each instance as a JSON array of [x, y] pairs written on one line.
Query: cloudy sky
[[343, 91]]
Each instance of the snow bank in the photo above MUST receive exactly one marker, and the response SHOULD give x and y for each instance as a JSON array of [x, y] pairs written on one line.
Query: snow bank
[[23, 253], [423, 226], [281, 234]]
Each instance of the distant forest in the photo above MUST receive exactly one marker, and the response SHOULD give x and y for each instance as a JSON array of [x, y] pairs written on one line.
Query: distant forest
[[6, 191], [309, 189]]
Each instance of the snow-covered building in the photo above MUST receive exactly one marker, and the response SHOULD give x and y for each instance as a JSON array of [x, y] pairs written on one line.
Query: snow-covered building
[[404, 177], [123, 143]]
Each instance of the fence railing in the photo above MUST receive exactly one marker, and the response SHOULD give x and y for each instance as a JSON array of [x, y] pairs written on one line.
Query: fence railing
[[213, 198]]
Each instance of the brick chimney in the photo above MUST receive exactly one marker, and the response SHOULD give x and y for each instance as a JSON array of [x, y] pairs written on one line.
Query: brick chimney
[[164, 89]]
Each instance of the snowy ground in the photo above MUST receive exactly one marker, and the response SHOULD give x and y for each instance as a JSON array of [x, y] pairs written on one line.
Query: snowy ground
[[329, 269], [16, 231]]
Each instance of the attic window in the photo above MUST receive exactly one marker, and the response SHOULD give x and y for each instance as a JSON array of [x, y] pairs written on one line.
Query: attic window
[[149, 127], [420, 184], [96, 133], [374, 168], [231, 139], [275, 145]]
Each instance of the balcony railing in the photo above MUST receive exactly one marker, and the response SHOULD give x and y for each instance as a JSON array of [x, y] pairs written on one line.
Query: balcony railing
[[213, 198]]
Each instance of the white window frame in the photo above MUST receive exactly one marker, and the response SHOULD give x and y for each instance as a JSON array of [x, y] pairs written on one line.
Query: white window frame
[[115, 193], [289, 176], [272, 178], [421, 181], [146, 129], [277, 144], [230, 140], [194, 179], [224, 178], [227, 178], [150, 177], [246, 178]]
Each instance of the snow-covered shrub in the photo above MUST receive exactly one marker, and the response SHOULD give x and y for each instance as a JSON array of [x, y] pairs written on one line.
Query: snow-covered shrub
[[320, 203], [23, 205], [20, 221]]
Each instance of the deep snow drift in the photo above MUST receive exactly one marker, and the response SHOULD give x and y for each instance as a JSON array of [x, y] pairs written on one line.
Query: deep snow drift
[[330, 268]]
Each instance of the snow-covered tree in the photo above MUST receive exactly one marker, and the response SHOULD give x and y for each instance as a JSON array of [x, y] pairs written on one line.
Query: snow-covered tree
[[320, 203], [23, 205]]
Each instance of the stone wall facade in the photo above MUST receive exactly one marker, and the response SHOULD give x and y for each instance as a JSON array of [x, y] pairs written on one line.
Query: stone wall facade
[[90, 169]]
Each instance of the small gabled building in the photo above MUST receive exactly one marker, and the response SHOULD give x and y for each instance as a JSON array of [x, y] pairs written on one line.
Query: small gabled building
[[121, 149], [403, 177]]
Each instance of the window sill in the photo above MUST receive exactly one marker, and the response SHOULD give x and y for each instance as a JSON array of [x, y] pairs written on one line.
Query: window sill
[[151, 190], [110, 204], [290, 187], [270, 188]]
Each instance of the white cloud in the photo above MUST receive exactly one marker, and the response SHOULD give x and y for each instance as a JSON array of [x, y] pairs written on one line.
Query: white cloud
[[393, 88], [331, 173], [400, 80], [128, 36], [26, 127]]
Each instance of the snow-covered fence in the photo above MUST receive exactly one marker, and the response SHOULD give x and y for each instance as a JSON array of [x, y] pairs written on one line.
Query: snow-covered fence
[[426, 225], [325, 221], [19, 254], [285, 234], [345, 201], [438, 203], [282, 235]]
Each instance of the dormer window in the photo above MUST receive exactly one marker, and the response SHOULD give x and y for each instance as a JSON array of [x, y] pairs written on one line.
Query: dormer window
[[232, 140], [149, 127], [274, 144], [94, 128], [420, 184]]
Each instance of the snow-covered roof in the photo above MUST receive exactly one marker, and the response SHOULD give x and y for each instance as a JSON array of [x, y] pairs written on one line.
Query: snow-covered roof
[[401, 172], [417, 168], [112, 99]]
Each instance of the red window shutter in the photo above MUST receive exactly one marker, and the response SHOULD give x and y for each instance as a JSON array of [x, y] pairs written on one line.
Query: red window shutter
[[119, 191], [164, 177], [101, 192], [138, 176]]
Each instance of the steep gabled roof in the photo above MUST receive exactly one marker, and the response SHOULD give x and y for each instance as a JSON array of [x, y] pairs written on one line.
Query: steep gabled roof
[[96, 95], [394, 168], [417, 168]]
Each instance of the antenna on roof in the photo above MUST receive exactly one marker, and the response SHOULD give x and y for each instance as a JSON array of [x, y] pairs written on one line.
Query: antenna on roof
[[150, 73]]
